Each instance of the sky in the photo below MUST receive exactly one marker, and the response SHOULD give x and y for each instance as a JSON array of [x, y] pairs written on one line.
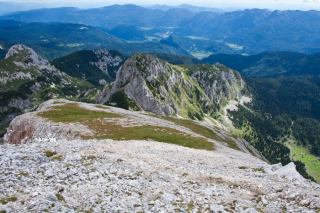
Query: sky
[[269, 4]]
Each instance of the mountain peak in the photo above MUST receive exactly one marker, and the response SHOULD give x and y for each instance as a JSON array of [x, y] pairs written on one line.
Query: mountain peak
[[165, 89], [27, 56]]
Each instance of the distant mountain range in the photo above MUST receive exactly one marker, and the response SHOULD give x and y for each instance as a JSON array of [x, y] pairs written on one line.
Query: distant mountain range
[[192, 8], [270, 63], [248, 31], [53, 40], [10, 7]]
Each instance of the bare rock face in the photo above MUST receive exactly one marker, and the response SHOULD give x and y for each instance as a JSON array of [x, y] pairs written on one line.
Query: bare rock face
[[133, 77], [31, 58], [107, 60], [19, 103], [227, 84], [165, 89]]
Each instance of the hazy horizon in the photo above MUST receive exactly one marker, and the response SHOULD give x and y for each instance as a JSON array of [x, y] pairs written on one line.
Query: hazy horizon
[[269, 4]]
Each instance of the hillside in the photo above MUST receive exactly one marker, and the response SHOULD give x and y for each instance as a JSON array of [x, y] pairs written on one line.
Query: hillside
[[58, 172]]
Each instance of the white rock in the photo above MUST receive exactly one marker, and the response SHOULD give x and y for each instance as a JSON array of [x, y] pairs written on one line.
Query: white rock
[[49, 173]]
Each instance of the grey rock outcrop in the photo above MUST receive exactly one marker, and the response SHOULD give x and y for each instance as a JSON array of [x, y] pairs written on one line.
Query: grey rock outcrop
[[107, 60], [30, 57], [165, 89]]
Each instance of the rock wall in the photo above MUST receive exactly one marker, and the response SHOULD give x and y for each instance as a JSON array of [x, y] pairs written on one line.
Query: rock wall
[[165, 89]]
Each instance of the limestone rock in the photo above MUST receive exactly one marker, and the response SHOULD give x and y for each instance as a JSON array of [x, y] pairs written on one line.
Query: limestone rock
[[165, 89]]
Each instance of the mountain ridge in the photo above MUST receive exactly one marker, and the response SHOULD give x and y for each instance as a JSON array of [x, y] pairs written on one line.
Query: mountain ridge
[[151, 82]]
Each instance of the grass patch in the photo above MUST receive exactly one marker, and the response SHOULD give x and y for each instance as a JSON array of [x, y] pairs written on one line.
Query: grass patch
[[243, 167], [160, 134], [101, 106], [72, 112], [312, 167], [201, 130], [259, 170], [106, 129], [60, 197], [50, 153], [57, 158], [4, 201], [25, 174], [68, 165]]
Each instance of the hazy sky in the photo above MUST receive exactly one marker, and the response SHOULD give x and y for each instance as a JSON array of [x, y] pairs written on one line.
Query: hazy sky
[[270, 4]]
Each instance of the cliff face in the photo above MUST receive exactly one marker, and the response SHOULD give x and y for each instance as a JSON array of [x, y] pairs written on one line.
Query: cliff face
[[165, 89], [108, 61]]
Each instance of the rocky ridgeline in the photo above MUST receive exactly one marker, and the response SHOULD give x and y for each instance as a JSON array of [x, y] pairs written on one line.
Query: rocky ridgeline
[[165, 89], [55, 174], [27, 56]]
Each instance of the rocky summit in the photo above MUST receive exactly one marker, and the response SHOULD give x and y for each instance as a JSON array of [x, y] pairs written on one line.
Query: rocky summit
[[90, 168], [165, 89]]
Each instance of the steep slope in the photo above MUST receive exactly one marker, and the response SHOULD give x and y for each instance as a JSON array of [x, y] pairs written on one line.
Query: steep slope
[[57, 172], [98, 67], [26, 80], [165, 89]]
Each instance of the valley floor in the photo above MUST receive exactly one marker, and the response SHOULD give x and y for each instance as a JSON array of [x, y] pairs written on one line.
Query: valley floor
[[302, 154]]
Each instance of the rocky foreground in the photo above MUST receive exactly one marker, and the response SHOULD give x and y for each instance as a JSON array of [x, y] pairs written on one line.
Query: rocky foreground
[[146, 176], [76, 175]]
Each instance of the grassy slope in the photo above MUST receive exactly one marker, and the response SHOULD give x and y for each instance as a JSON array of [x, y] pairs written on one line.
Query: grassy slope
[[201, 130], [104, 129]]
